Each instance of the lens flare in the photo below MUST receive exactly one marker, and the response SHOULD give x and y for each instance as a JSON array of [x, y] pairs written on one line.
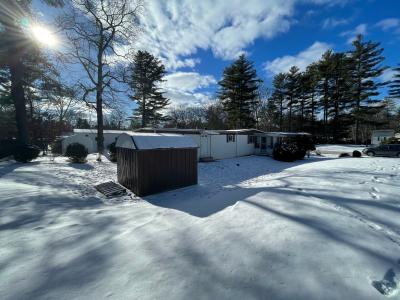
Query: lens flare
[[44, 36]]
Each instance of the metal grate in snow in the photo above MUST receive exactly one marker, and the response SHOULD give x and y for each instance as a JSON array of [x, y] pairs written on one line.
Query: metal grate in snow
[[110, 189]]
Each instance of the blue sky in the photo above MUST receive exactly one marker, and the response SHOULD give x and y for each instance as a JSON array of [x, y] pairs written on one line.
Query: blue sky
[[197, 39]]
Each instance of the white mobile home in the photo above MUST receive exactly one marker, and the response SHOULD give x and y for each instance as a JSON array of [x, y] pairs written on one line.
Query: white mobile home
[[217, 144], [88, 138], [379, 136], [212, 144]]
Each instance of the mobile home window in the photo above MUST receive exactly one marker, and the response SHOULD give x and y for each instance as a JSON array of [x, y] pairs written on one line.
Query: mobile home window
[[230, 138], [251, 139]]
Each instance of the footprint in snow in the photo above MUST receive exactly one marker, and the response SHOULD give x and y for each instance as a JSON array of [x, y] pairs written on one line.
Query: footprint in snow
[[373, 195], [376, 179], [390, 284], [375, 189]]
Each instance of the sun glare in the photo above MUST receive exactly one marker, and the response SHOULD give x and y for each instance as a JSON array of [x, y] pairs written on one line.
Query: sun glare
[[44, 36]]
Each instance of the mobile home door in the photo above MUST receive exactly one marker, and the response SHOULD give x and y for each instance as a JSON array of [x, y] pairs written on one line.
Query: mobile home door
[[205, 146]]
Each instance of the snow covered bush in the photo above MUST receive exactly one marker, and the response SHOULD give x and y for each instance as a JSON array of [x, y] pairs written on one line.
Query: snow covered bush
[[25, 153], [285, 152], [76, 152], [112, 152], [356, 153]]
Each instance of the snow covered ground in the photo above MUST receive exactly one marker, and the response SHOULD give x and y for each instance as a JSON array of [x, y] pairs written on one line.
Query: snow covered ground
[[253, 228]]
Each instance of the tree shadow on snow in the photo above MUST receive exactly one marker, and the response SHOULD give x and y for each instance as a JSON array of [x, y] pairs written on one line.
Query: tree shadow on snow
[[218, 184], [71, 255], [10, 167]]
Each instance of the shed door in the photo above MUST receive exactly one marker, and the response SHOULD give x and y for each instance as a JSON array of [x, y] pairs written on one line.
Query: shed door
[[204, 146]]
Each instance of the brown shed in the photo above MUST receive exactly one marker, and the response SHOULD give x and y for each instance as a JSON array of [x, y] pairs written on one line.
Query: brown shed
[[150, 163]]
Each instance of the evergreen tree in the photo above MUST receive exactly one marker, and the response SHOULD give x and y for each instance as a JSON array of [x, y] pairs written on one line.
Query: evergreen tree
[[366, 68], [394, 86], [292, 87], [340, 93], [311, 89], [325, 77], [238, 92], [147, 74], [278, 96]]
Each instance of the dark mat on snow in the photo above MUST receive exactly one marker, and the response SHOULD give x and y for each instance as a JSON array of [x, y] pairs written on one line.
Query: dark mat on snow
[[111, 189]]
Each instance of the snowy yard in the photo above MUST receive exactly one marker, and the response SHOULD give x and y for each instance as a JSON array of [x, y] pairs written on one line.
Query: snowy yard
[[253, 228]]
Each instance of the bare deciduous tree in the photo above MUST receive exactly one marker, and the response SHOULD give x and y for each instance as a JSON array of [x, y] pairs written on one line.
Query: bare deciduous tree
[[96, 30]]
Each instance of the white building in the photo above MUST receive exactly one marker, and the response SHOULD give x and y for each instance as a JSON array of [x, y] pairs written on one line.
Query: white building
[[212, 144], [379, 136], [217, 144], [88, 138]]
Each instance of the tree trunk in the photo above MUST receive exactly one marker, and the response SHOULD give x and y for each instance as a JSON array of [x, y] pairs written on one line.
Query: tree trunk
[[17, 94], [99, 111], [312, 114], [99, 101], [143, 111], [280, 114], [290, 114]]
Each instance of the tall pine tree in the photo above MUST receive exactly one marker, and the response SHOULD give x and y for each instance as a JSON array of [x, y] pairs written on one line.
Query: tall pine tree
[[340, 94], [278, 96], [366, 68], [394, 87], [325, 77], [311, 89], [238, 92], [292, 92], [147, 74]]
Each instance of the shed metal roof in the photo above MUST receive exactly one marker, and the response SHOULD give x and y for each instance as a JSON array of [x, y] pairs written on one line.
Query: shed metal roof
[[141, 141], [77, 130]]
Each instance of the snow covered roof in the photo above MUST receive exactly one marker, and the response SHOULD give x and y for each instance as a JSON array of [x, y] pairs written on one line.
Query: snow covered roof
[[240, 131], [177, 130], [283, 134], [141, 140], [77, 130]]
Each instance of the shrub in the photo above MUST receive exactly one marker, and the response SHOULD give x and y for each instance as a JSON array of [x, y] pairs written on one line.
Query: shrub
[[24, 153], [76, 152], [344, 155], [7, 147], [299, 154], [356, 153], [286, 152], [112, 151]]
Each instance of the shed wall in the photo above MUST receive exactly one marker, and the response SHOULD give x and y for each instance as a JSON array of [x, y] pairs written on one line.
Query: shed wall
[[152, 171]]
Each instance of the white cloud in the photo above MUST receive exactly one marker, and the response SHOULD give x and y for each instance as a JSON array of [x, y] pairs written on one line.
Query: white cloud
[[389, 24], [301, 60], [387, 75], [330, 23], [185, 87], [352, 34], [188, 81], [176, 29]]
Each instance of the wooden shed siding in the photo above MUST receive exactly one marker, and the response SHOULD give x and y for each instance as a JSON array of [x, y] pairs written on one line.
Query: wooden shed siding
[[147, 172]]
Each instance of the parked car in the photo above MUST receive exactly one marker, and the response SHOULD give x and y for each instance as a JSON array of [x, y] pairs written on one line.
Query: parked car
[[383, 150]]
